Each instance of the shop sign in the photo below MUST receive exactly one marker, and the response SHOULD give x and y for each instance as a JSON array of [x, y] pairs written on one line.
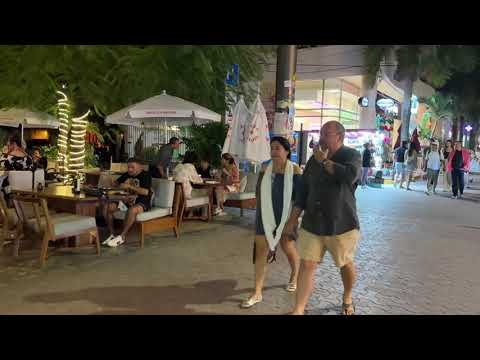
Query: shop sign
[[385, 103]]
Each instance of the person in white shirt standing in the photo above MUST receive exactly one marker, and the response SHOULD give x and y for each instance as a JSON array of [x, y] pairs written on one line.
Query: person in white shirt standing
[[433, 168]]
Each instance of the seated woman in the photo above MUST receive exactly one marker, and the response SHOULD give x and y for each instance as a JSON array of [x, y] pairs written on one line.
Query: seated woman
[[186, 173], [230, 178], [13, 158], [204, 169], [39, 161]]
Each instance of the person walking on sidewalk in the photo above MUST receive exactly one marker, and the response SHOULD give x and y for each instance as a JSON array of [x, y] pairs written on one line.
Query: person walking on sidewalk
[[458, 164], [366, 164], [447, 175], [277, 186], [400, 164], [330, 222], [411, 156], [433, 164]]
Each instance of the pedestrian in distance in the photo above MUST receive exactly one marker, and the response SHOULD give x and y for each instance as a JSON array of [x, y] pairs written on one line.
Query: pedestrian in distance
[[458, 164], [433, 164], [366, 164], [400, 165]]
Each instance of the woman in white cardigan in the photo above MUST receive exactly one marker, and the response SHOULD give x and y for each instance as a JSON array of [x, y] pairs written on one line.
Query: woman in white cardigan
[[276, 187], [187, 174]]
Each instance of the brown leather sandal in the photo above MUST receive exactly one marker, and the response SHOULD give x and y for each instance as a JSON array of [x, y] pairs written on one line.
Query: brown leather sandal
[[346, 309]]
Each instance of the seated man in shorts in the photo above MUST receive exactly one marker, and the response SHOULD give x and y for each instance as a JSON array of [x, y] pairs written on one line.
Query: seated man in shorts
[[136, 181]]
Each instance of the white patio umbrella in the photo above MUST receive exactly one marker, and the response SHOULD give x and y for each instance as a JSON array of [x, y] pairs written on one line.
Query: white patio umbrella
[[28, 119], [235, 141], [163, 110], [257, 146]]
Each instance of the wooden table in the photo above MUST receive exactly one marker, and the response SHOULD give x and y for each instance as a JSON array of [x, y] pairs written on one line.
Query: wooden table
[[62, 199], [208, 185]]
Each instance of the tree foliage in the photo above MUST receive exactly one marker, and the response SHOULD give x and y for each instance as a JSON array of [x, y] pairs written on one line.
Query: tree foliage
[[433, 63], [109, 77], [207, 141]]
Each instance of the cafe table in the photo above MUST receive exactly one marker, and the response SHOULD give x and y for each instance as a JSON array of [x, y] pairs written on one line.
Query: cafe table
[[62, 199], [209, 185]]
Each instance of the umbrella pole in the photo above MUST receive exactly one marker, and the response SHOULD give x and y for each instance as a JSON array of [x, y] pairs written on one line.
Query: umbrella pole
[[165, 129]]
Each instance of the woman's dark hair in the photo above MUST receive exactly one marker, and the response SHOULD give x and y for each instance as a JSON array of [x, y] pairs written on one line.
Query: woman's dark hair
[[366, 145], [16, 140], [411, 147], [190, 157], [229, 158], [284, 143]]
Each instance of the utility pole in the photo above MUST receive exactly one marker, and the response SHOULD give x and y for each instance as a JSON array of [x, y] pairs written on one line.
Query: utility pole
[[285, 90]]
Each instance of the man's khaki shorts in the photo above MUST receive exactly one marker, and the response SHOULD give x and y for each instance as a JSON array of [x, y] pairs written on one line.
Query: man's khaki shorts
[[342, 247]]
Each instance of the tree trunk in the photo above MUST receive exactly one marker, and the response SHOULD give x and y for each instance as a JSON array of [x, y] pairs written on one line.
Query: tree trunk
[[461, 125], [406, 108], [455, 128]]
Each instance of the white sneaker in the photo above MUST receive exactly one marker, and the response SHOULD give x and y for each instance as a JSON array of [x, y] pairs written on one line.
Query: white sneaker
[[250, 302], [217, 211], [117, 240], [108, 240], [454, 197], [222, 213]]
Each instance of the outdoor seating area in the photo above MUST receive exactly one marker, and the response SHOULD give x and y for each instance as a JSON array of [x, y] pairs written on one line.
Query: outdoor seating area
[[51, 208]]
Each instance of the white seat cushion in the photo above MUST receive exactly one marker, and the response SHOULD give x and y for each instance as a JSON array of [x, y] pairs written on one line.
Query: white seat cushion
[[197, 201], [251, 182], [154, 213], [164, 191], [66, 224], [243, 184], [240, 196]]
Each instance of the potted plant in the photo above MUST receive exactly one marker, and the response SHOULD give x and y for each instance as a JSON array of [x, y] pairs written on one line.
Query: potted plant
[[51, 153]]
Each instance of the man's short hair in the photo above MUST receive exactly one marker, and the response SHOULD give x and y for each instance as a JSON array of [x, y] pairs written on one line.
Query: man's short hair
[[134, 160], [173, 140], [339, 128]]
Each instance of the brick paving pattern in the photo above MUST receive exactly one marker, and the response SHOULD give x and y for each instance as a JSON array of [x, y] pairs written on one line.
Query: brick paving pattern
[[418, 255]]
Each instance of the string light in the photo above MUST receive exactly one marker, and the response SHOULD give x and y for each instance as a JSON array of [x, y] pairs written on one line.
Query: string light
[[71, 136]]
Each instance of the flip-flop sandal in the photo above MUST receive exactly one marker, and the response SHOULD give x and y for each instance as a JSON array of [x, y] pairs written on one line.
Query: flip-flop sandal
[[250, 302], [347, 307], [291, 287]]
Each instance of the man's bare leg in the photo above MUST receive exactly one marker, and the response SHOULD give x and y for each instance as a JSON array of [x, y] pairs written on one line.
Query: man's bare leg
[[110, 209], [304, 286], [131, 217], [348, 278]]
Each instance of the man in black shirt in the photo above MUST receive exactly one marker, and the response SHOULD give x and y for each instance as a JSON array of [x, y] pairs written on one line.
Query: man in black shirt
[[330, 222], [400, 165], [136, 181]]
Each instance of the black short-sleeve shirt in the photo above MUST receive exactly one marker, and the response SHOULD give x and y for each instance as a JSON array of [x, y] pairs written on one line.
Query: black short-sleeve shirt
[[143, 180]]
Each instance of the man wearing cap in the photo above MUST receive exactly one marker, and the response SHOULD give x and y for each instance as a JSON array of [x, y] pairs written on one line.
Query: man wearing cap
[[158, 169], [433, 164]]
